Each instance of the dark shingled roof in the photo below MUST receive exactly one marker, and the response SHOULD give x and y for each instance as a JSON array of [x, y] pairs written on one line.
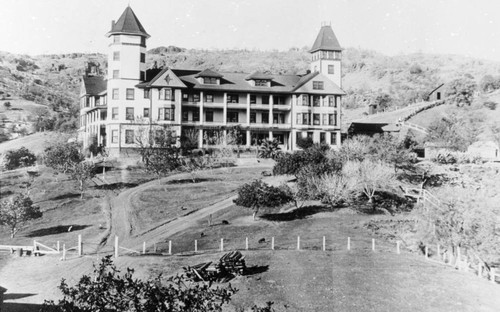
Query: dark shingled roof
[[209, 73], [326, 40], [128, 23], [94, 85], [259, 76]]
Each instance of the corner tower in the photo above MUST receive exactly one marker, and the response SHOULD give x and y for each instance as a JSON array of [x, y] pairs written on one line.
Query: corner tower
[[326, 55]]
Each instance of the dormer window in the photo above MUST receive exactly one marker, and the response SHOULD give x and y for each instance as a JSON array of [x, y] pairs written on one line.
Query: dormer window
[[318, 85], [261, 82], [210, 80]]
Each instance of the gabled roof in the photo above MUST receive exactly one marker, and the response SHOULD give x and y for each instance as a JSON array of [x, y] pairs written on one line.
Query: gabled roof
[[94, 85], [259, 76], [165, 78], [326, 40], [209, 73], [129, 24]]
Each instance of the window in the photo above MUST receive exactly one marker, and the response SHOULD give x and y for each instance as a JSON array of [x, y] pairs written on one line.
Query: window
[[232, 117], [265, 117], [331, 69], [325, 119], [114, 113], [333, 138], [316, 100], [116, 73], [209, 116], [322, 137], [210, 80], [335, 118], [253, 99], [316, 119], [305, 119], [317, 85], [115, 94], [129, 136], [298, 136], [116, 55], [116, 39], [310, 135], [260, 83], [130, 94], [331, 101], [114, 136], [142, 75], [279, 118], [196, 97], [169, 94], [253, 117], [299, 118], [265, 99], [280, 137], [196, 115], [330, 119], [145, 114], [146, 94], [209, 98], [129, 114], [143, 58], [232, 98], [143, 41], [303, 100], [166, 114], [185, 116]]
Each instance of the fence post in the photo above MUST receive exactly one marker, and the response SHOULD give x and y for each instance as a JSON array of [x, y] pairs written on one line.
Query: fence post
[[58, 247], [144, 248], [348, 243], [324, 243], [397, 248], [80, 247], [459, 258], [492, 275], [221, 244], [373, 244], [34, 248], [195, 245], [169, 247], [298, 242], [426, 252], [272, 243], [246, 243], [154, 247], [116, 246], [438, 252], [64, 252]]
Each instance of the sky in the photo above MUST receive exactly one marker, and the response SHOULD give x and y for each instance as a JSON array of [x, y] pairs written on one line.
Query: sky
[[465, 27]]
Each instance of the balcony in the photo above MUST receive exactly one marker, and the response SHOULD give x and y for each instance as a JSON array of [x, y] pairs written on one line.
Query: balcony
[[214, 104], [237, 105], [190, 104], [283, 107], [260, 106]]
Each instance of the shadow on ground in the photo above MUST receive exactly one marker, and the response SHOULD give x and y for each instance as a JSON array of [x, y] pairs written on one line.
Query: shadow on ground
[[115, 186], [65, 196], [256, 269], [56, 230], [196, 180], [296, 214], [21, 307]]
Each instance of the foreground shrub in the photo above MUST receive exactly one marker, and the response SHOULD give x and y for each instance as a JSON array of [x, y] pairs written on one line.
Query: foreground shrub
[[270, 149], [19, 158]]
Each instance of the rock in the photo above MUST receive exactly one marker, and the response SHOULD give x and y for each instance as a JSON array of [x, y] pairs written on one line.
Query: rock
[[225, 222], [262, 240]]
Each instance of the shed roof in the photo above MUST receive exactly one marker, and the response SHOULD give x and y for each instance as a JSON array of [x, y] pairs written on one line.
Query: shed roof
[[326, 40], [209, 73], [94, 85], [128, 23]]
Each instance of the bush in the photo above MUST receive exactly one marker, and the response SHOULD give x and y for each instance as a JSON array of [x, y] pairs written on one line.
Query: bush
[[270, 149], [304, 143], [490, 104], [19, 158], [415, 69], [7, 105]]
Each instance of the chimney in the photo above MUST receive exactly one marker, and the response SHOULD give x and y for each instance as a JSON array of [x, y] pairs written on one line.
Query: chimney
[[112, 24]]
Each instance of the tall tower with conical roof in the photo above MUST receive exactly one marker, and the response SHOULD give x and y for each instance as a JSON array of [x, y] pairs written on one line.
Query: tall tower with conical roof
[[326, 55], [126, 69]]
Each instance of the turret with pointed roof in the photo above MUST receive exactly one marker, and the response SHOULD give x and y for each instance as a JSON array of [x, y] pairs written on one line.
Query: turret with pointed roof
[[127, 24], [326, 54]]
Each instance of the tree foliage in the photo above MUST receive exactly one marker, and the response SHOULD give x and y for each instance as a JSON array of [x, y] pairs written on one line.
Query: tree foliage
[[108, 290], [16, 212], [63, 156], [460, 91], [452, 132], [270, 149], [304, 143], [81, 172], [21, 157], [258, 194]]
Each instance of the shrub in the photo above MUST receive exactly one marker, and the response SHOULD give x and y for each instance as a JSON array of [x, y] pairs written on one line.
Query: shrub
[[7, 104], [490, 104], [19, 158], [270, 149], [415, 69], [304, 143]]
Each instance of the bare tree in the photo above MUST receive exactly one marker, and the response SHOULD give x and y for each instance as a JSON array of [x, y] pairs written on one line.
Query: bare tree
[[16, 212]]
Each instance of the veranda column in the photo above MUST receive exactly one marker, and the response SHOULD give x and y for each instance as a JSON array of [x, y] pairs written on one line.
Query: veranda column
[[202, 102], [224, 112]]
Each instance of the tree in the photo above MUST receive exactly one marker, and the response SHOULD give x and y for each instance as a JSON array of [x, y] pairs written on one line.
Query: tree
[[16, 212], [391, 150], [7, 105], [336, 188], [107, 290], [234, 136], [370, 177], [195, 163], [270, 149], [489, 83], [63, 156], [304, 143], [21, 157], [460, 91], [257, 195], [452, 132], [81, 172]]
